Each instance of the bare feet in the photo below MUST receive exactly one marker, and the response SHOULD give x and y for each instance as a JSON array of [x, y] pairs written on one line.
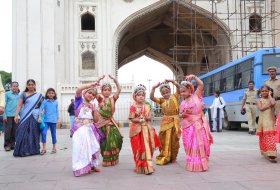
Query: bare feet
[[272, 159], [95, 169]]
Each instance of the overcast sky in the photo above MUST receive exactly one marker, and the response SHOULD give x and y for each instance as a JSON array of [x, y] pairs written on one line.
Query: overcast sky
[[141, 70]]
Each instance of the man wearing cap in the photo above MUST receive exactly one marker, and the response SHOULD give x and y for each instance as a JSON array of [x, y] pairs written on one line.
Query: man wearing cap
[[249, 101], [274, 83]]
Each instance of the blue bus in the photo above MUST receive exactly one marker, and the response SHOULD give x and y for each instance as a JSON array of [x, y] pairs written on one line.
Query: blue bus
[[232, 80]]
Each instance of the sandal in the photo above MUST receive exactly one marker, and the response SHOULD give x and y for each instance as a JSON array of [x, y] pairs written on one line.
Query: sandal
[[43, 152], [53, 151]]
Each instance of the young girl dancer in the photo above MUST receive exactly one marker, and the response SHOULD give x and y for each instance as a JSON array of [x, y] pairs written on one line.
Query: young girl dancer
[[86, 137], [51, 117], [170, 131], [196, 131], [266, 125], [143, 137], [110, 148]]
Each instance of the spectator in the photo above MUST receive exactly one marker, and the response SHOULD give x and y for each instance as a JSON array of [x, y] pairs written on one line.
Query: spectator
[[11, 99], [28, 131], [218, 111], [266, 125], [71, 113], [274, 83], [250, 99]]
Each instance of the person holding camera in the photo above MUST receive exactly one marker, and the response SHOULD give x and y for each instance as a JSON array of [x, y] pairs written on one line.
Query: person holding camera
[[218, 112], [249, 106]]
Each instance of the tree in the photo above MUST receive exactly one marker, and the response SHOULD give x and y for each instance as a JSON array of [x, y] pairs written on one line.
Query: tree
[[6, 79]]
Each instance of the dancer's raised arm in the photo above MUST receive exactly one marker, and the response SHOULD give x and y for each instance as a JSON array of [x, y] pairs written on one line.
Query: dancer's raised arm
[[175, 84], [117, 93], [152, 94], [199, 83]]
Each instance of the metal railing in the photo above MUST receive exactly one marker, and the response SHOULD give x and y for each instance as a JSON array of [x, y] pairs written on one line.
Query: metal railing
[[121, 114]]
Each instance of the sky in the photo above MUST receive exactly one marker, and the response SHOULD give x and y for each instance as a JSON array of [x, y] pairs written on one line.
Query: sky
[[141, 70], [145, 71]]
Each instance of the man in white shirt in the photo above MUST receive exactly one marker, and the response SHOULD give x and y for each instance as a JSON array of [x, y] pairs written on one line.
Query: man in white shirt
[[218, 112]]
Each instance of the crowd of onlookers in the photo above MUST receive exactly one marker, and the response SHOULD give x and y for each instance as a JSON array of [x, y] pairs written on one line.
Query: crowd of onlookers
[[22, 133]]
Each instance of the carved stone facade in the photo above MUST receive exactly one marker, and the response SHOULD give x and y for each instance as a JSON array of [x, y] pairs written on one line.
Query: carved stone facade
[[66, 43]]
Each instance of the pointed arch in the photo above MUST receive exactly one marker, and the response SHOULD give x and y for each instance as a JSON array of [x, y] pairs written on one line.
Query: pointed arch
[[87, 22], [136, 34]]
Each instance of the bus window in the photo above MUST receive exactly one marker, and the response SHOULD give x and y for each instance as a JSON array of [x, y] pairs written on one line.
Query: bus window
[[246, 76], [228, 79], [216, 81], [223, 85], [244, 73], [238, 81], [208, 86], [271, 60]]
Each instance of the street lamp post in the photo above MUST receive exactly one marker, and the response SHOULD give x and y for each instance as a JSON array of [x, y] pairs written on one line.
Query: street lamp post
[[149, 80]]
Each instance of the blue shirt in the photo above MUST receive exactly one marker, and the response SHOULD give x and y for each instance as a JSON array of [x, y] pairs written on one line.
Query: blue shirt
[[51, 110], [12, 99]]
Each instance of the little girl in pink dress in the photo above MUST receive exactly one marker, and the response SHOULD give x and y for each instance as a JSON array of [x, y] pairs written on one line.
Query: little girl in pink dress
[[195, 129]]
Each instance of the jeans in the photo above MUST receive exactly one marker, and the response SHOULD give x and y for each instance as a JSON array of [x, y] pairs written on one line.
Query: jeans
[[72, 119], [53, 132], [10, 132]]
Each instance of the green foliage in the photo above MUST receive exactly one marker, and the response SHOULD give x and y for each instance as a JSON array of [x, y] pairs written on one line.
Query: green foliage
[[6, 78]]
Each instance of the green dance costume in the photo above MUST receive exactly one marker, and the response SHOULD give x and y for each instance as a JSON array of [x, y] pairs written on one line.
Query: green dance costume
[[110, 149]]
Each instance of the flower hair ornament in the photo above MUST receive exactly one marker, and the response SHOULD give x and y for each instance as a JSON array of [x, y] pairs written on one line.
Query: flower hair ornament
[[106, 85], [91, 88], [188, 85], [139, 88], [164, 85]]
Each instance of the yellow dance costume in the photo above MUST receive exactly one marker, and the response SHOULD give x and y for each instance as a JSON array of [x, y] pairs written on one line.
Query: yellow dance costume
[[169, 129]]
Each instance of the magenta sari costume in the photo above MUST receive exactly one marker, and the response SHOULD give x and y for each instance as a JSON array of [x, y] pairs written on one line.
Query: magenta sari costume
[[86, 139], [195, 134]]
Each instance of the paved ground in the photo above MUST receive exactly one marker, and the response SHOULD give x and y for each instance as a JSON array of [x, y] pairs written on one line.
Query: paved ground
[[235, 163]]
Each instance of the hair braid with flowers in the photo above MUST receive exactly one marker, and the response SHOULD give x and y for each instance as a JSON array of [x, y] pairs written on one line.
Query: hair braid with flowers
[[188, 85]]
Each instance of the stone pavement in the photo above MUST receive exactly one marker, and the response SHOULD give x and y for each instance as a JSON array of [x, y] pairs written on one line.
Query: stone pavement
[[235, 164]]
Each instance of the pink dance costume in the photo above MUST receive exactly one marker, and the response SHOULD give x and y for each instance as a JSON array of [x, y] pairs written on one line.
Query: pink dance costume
[[195, 134]]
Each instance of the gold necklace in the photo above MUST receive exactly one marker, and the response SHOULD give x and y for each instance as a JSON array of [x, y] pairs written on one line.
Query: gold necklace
[[105, 103], [85, 109], [167, 103]]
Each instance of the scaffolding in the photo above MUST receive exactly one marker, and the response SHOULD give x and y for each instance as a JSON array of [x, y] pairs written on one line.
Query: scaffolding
[[250, 25]]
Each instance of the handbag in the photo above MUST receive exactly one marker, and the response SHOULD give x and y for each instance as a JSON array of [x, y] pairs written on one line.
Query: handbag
[[224, 108], [42, 124], [243, 111]]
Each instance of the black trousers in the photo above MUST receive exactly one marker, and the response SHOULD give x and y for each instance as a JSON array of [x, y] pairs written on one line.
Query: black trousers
[[10, 132]]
